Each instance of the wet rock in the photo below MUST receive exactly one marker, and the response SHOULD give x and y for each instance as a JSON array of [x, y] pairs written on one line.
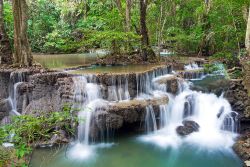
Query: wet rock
[[238, 97], [118, 114], [105, 120], [220, 112], [59, 138], [187, 128], [4, 83], [189, 106], [170, 83], [242, 147], [192, 74], [5, 108], [134, 110]]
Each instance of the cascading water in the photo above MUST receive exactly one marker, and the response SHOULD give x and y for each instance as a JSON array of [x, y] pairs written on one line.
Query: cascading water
[[144, 82], [217, 121], [150, 120], [217, 124], [118, 90], [87, 98], [192, 66], [16, 79]]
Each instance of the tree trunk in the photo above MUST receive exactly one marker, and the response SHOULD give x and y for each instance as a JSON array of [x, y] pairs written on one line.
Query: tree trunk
[[22, 51], [128, 23], [128, 15], [119, 5], [146, 50], [85, 9], [247, 42], [5, 49]]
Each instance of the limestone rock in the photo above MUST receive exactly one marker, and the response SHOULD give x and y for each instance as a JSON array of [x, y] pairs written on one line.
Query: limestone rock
[[169, 82], [5, 108], [106, 120], [187, 128], [242, 147]]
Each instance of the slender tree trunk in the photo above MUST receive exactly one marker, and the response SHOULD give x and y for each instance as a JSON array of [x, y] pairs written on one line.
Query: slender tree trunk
[[128, 15], [247, 42], [161, 25], [128, 23], [119, 5], [146, 50], [85, 9], [5, 49], [22, 51]]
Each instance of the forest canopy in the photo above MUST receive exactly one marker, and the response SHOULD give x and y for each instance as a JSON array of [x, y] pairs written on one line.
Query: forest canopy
[[187, 27]]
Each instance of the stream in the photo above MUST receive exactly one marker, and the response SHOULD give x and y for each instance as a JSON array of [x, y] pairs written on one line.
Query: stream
[[159, 145]]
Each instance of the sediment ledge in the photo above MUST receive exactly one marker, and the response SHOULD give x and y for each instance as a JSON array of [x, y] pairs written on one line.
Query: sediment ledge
[[119, 114]]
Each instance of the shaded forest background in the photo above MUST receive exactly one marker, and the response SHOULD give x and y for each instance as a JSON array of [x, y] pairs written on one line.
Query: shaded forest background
[[187, 27]]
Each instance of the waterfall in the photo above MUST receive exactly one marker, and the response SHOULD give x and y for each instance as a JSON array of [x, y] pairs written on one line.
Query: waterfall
[[144, 82], [86, 97], [88, 100], [150, 120], [192, 66], [118, 90], [16, 79], [218, 123]]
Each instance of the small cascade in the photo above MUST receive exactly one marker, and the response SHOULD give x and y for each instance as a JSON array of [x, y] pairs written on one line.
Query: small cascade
[[193, 71], [119, 89], [217, 122], [164, 115], [193, 75], [86, 97], [92, 94], [230, 122], [192, 66], [144, 82], [150, 120], [16, 79], [189, 106]]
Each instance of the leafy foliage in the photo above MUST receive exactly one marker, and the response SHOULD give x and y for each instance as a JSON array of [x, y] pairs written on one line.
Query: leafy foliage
[[183, 26], [26, 130]]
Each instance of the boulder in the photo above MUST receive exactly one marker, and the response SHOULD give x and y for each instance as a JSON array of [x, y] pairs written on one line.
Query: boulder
[[134, 110], [187, 128], [168, 82], [59, 137], [119, 114]]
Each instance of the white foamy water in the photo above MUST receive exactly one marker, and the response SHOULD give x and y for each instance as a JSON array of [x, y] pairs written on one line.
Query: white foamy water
[[16, 79], [192, 66], [218, 123]]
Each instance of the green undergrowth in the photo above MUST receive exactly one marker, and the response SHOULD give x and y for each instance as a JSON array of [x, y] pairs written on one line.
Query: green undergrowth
[[26, 130]]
